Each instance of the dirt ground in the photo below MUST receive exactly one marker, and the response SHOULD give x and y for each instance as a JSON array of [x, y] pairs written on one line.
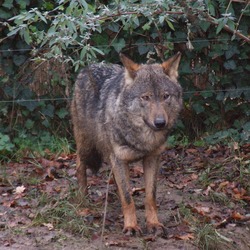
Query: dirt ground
[[203, 201]]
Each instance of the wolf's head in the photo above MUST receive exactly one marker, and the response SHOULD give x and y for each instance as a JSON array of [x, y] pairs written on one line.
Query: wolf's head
[[152, 94]]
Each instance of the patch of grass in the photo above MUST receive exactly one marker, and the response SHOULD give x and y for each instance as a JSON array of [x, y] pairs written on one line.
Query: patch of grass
[[233, 169], [40, 146], [60, 146], [211, 173], [186, 214], [3, 174], [207, 238], [62, 213], [220, 198]]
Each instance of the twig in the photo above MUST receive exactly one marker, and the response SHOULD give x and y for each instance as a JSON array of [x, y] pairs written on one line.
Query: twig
[[227, 28], [106, 205], [241, 15]]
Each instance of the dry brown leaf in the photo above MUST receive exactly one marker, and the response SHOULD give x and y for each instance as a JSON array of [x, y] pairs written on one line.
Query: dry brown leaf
[[188, 236], [194, 176], [202, 210], [84, 212], [237, 216], [222, 185]]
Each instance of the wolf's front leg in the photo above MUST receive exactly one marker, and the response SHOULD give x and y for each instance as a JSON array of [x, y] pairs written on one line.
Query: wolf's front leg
[[151, 166], [121, 173]]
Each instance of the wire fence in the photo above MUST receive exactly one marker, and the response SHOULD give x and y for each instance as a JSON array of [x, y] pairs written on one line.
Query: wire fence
[[126, 44], [235, 90], [241, 90]]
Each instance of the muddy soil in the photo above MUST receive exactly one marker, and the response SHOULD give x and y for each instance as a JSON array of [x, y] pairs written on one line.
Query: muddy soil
[[185, 205]]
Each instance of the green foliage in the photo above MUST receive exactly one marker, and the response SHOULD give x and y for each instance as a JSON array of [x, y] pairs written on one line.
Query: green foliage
[[5, 143], [62, 36]]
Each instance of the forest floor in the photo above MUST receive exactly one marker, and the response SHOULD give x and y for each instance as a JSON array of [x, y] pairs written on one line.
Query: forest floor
[[203, 201]]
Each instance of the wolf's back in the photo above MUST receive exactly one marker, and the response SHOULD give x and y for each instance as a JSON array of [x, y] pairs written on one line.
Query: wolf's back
[[95, 76], [94, 87]]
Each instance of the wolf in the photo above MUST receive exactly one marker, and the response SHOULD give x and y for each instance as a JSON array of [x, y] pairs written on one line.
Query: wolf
[[123, 114]]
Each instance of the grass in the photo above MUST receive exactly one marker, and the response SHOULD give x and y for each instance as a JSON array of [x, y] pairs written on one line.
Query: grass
[[40, 146], [62, 213], [207, 238]]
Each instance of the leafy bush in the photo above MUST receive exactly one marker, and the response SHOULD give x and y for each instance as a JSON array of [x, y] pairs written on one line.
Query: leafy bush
[[44, 43]]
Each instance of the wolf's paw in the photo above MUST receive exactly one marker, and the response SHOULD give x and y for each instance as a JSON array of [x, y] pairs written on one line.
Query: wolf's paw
[[132, 231], [157, 229]]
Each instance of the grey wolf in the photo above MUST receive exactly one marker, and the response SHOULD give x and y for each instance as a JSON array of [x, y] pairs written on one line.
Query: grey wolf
[[122, 115]]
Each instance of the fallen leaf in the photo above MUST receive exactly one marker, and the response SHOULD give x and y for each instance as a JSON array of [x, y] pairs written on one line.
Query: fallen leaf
[[202, 210], [222, 185], [188, 236], [49, 226], [191, 150], [137, 190], [207, 191], [237, 216], [115, 243], [19, 190], [84, 212], [194, 176]]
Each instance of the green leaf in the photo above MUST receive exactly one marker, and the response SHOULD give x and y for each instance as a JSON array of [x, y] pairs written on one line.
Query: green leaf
[[8, 4], [230, 64], [62, 113], [29, 124], [143, 49], [232, 50], [161, 19], [204, 25], [220, 26], [198, 108], [220, 96], [231, 24], [48, 111], [30, 105], [4, 14], [39, 14], [83, 52], [84, 4], [98, 51], [146, 26], [119, 44], [26, 36], [170, 25], [211, 8], [19, 59], [14, 31], [136, 21], [23, 3], [5, 143], [113, 27], [207, 94]]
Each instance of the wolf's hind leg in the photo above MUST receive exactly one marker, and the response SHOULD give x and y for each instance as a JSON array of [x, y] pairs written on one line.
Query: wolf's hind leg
[[81, 174]]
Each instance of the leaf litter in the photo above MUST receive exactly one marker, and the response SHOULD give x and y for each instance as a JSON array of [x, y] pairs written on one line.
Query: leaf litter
[[197, 186]]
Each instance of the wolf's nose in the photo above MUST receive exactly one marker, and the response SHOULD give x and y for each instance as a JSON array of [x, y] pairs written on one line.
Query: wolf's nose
[[160, 123]]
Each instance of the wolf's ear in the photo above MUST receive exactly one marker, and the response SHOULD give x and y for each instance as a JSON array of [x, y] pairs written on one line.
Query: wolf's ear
[[171, 66], [129, 65]]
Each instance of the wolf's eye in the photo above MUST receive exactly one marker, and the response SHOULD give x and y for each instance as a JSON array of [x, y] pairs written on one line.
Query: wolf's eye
[[145, 97], [166, 96]]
